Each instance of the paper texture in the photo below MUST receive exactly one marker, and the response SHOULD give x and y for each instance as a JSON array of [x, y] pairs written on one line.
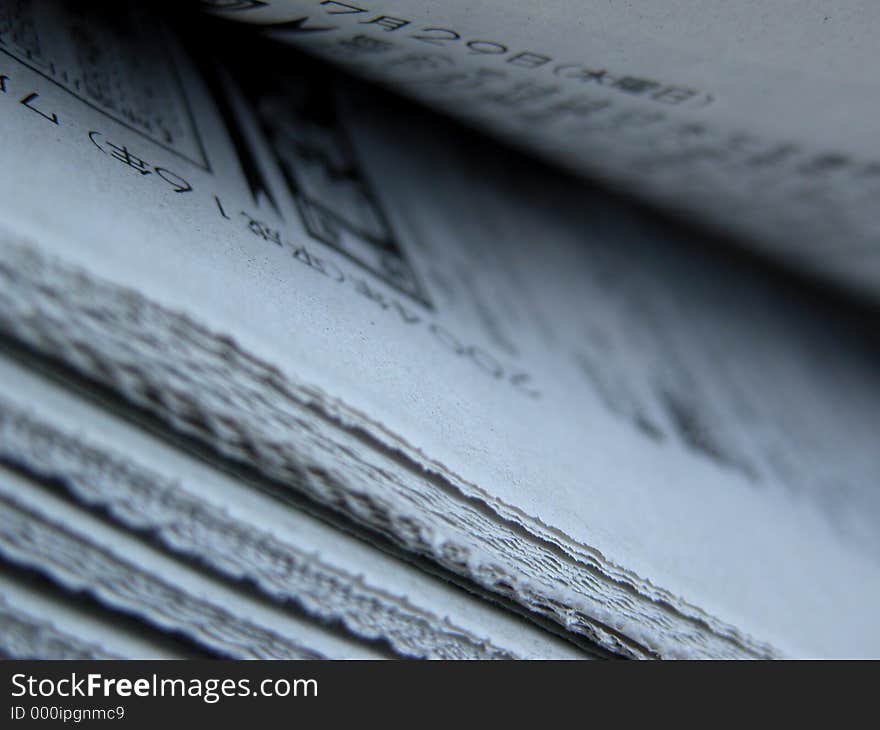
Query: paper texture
[[240, 530], [532, 384], [756, 118]]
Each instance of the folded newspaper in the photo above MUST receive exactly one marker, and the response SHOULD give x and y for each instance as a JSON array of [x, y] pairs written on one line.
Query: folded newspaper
[[292, 366]]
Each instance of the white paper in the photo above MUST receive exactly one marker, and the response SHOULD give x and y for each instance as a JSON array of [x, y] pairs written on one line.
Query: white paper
[[561, 400], [757, 118], [237, 530]]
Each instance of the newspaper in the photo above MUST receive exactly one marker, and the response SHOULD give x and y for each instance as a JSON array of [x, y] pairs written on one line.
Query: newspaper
[[229, 526], [525, 381], [756, 118]]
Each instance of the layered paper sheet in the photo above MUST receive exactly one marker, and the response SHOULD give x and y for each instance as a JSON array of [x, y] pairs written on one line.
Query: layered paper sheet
[[757, 119], [541, 390]]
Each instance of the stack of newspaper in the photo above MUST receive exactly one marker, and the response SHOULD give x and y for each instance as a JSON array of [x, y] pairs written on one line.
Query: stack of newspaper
[[292, 367]]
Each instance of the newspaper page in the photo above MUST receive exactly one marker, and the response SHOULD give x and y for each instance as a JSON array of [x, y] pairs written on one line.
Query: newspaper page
[[68, 453], [756, 118], [526, 381]]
